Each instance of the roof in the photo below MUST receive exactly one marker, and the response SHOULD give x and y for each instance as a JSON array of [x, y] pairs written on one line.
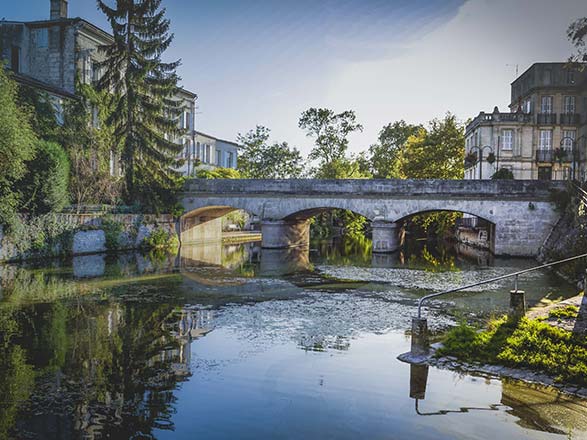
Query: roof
[[218, 139], [30, 81]]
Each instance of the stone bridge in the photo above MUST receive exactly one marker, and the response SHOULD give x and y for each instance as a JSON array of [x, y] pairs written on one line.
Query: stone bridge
[[520, 213]]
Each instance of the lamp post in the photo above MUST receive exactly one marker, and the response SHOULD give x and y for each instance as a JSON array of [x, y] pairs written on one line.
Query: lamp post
[[578, 148], [481, 149]]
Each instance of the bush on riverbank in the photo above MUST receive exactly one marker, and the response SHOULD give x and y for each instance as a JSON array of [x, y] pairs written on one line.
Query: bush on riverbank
[[161, 239], [525, 343]]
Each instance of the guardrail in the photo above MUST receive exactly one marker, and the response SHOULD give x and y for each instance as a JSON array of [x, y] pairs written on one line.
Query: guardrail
[[514, 275], [420, 341]]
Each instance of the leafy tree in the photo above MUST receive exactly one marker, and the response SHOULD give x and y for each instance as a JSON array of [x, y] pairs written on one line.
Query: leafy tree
[[383, 155], [45, 185], [17, 146], [260, 159], [504, 174], [218, 173], [330, 132], [434, 153], [145, 110], [43, 118], [577, 34]]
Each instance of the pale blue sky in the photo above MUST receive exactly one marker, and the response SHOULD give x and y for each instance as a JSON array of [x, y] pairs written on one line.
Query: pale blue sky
[[265, 61]]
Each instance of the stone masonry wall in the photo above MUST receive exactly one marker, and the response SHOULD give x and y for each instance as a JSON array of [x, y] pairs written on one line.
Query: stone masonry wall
[[80, 234]]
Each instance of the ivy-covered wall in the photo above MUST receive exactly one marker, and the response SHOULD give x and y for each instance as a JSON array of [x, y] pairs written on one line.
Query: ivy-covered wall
[[78, 234]]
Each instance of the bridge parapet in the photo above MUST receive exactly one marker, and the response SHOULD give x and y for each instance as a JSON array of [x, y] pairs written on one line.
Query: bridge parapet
[[387, 188]]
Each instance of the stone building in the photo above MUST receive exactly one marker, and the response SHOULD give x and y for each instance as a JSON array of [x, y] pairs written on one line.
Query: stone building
[[543, 134], [50, 54]]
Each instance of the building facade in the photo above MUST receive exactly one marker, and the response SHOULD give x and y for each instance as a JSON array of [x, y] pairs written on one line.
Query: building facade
[[209, 152], [51, 55], [542, 136]]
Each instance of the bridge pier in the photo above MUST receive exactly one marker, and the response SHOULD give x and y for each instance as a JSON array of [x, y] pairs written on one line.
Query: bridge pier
[[281, 234], [387, 236]]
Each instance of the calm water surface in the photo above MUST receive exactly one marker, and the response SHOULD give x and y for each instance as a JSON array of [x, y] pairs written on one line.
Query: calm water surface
[[238, 342]]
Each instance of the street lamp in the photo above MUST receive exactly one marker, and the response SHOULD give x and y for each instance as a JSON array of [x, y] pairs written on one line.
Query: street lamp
[[481, 150]]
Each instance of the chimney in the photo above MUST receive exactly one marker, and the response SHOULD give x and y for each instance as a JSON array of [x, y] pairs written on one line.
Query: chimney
[[58, 9]]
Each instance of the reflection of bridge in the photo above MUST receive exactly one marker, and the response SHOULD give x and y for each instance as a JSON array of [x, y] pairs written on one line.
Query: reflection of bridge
[[520, 213]]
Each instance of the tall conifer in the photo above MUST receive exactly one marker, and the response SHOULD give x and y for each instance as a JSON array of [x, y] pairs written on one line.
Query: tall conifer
[[144, 89]]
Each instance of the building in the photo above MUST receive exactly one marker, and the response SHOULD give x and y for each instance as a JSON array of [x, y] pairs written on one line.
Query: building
[[543, 136], [50, 54]]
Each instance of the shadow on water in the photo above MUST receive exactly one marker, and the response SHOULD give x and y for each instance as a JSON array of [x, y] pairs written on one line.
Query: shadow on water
[[101, 346]]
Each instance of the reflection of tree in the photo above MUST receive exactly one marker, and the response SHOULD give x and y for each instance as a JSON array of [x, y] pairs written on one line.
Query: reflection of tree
[[104, 369], [345, 251], [442, 260], [324, 343]]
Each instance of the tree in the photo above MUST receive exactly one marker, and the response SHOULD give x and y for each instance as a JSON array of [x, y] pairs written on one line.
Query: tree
[[45, 186], [383, 155], [145, 110], [260, 159], [218, 173], [577, 34], [43, 118], [17, 146], [330, 132], [434, 153]]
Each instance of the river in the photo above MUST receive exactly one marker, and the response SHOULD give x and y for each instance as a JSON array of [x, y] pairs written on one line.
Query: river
[[234, 341]]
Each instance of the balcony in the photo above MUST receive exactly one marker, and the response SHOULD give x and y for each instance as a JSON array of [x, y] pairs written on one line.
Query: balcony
[[570, 119], [491, 118], [546, 118], [556, 155]]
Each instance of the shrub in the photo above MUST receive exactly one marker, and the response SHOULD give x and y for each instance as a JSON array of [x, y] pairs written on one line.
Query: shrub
[[112, 230], [503, 174], [161, 239], [45, 186]]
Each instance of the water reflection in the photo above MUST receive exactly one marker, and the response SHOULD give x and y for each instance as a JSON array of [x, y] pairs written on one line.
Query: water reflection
[[138, 346]]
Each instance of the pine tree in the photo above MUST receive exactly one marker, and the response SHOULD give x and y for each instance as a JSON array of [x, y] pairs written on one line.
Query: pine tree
[[144, 90]]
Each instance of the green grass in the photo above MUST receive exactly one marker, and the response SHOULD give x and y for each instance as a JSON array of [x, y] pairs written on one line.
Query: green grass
[[567, 312], [523, 343]]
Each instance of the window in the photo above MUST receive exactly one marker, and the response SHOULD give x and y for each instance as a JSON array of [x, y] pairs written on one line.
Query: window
[[570, 76], [15, 59], [546, 104], [42, 37], [507, 139], [568, 139], [547, 77], [218, 158], [569, 105], [229, 160], [198, 152], [527, 108], [545, 139], [94, 72], [207, 158]]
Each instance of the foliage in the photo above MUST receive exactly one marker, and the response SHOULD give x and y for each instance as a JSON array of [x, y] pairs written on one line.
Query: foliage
[[42, 235], [522, 343], [383, 155], [490, 158], [260, 159], [17, 146], [45, 185], [434, 153], [470, 159], [577, 34], [568, 312], [112, 230], [218, 173], [42, 113], [90, 143], [145, 110], [161, 239], [503, 174], [330, 132]]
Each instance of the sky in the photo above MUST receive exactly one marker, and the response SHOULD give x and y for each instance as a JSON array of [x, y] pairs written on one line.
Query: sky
[[263, 62]]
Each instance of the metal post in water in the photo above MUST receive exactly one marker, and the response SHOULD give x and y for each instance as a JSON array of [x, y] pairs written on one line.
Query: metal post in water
[[420, 338], [517, 301]]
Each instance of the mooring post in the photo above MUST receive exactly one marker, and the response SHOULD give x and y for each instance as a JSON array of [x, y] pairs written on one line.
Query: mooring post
[[418, 381], [517, 301], [420, 339]]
